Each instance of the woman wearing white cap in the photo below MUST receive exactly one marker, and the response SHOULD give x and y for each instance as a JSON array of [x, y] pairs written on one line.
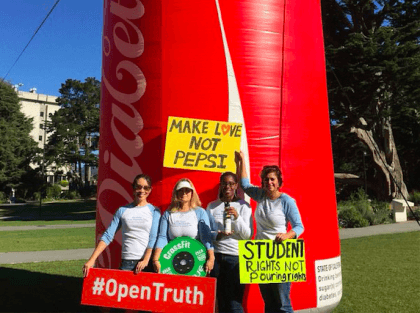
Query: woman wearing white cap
[[184, 217]]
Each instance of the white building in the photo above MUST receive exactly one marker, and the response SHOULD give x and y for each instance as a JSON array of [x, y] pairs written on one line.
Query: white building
[[40, 107]]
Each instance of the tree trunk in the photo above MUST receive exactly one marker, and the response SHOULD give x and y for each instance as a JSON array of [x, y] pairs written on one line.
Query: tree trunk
[[385, 157], [87, 167]]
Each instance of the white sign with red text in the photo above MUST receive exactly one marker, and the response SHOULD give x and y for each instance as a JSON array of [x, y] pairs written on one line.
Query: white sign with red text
[[148, 291]]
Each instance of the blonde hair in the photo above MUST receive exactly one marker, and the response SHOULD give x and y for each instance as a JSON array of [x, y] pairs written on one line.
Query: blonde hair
[[176, 202]]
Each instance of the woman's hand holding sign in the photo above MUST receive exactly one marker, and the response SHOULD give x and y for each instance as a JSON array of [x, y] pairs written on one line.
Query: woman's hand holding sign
[[156, 266], [89, 264], [209, 265], [284, 236], [140, 266]]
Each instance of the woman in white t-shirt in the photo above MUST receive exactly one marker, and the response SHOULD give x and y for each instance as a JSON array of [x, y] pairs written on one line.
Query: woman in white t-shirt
[[275, 209], [229, 290], [139, 223], [184, 217]]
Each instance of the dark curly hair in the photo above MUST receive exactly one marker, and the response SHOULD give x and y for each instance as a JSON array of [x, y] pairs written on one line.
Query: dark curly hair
[[271, 169]]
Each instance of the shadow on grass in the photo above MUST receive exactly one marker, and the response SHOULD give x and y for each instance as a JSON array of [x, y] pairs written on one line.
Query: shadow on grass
[[81, 210], [25, 291]]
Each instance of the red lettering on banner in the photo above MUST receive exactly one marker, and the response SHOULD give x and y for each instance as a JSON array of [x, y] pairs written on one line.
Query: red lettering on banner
[[149, 291]]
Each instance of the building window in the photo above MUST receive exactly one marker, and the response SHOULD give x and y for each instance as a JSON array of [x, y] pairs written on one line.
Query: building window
[[40, 138], [41, 126], [41, 114]]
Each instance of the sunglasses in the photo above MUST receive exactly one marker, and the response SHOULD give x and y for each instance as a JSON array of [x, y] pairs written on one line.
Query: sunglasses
[[140, 187], [184, 190], [230, 184]]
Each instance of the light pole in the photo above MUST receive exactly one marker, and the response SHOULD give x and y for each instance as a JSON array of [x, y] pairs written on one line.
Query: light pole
[[43, 158], [364, 171]]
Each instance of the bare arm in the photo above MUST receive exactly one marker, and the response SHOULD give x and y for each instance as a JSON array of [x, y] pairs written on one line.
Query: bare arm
[[210, 261], [240, 165], [96, 253], [156, 263]]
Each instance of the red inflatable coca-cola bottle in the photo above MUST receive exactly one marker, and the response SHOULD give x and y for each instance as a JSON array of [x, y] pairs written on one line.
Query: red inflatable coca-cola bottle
[[257, 62]]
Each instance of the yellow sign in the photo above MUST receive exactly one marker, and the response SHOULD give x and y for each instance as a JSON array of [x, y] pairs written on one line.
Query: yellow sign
[[201, 144], [267, 261]]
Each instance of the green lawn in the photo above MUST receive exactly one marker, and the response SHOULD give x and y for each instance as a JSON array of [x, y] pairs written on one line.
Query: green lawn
[[47, 239], [62, 212], [381, 274], [43, 287]]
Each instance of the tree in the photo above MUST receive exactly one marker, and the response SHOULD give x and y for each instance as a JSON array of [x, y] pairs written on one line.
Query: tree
[[373, 63], [17, 148], [74, 128]]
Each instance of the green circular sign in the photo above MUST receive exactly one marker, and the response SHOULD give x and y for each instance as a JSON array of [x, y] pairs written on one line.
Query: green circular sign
[[183, 256]]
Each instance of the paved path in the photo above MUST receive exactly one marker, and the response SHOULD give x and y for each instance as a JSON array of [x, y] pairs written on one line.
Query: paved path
[[39, 227], [79, 254], [402, 227], [45, 256]]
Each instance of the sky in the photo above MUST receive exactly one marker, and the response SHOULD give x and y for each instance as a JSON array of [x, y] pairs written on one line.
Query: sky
[[68, 45]]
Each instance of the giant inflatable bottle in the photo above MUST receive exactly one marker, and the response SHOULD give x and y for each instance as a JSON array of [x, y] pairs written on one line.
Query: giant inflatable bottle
[[257, 62]]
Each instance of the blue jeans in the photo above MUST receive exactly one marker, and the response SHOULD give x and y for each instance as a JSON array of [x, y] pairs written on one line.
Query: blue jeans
[[229, 290], [276, 297], [130, 265]]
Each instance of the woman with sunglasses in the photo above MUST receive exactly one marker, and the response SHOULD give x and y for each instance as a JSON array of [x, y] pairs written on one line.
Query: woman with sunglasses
[[229, 290], [184, 217], [274, 210], [139, 222]]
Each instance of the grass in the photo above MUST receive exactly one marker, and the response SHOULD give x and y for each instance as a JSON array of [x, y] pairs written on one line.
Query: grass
[[47, 239], [42, 223], [62, 212], [380, 274], [64, 268], [43, 287]]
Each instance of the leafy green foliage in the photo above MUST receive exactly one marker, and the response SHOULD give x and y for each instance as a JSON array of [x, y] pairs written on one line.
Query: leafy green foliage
[[3, 197], [74, 129], [359, 211], [373, 72], [415, 197], [70, 194], [17, 148], [54, 191], [64, 183], [349, 217]]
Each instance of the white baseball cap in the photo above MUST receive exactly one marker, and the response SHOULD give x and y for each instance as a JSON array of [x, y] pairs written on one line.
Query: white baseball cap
[[184, 184]]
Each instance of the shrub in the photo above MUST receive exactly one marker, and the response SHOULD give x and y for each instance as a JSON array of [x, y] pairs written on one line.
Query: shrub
[[382, 214], [414, 197], [350, 217], [415, 215], [3, 197], [359, 211], [37, 195], [88, 191], [54, 191], [70, 195], [64, 183]]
